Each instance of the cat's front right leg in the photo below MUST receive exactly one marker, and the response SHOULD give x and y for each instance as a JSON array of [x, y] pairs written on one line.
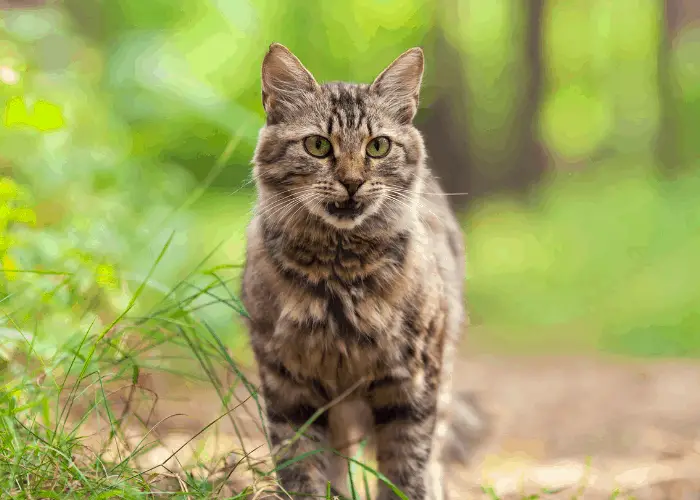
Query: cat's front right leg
[[289, 405]]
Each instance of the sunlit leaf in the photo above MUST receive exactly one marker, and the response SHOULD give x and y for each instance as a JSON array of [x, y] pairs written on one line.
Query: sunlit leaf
[[8, 188], [9, 265], [44, 116], [106, 276], [24, 215]]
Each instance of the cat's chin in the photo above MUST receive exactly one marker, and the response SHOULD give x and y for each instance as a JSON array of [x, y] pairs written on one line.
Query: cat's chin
[[343, 222]]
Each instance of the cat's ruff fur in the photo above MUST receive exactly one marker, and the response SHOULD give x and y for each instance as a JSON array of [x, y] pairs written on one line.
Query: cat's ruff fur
[[373, 302]]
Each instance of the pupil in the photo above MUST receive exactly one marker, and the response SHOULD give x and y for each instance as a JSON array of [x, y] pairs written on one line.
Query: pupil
[[318, 143], [376, 144]]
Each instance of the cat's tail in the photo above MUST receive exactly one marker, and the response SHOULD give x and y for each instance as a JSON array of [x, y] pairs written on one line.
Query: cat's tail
[[469, 427]]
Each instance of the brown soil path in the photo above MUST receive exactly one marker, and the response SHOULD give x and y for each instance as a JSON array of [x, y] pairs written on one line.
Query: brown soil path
[[570, 422]]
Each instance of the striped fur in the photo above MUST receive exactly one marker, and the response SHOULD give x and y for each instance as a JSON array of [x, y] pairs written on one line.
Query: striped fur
[[371, 301]]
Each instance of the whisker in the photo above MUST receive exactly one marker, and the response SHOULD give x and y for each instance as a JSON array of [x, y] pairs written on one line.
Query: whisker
[[406, 204], [275, 202], [290, 218], [288, 202], [419, 203], [446, 194], [272, 207], [437, 193], [296, 201]]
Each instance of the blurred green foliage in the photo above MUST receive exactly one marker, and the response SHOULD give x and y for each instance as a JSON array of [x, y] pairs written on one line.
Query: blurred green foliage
[[114, 112]]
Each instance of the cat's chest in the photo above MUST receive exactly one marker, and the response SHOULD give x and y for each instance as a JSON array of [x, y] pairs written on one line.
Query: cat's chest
[[336, 336], [345, 264], [353, 313]]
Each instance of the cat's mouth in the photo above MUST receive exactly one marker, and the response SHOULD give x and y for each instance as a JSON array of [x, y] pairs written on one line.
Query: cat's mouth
[[348, 209]]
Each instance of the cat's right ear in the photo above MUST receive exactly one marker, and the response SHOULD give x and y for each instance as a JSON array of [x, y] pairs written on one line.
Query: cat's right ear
[[285, 81]]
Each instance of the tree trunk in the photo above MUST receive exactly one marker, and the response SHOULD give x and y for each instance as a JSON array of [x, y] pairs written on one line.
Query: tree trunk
[[443, 123], [529, 159], [445, 128], [676, 15]]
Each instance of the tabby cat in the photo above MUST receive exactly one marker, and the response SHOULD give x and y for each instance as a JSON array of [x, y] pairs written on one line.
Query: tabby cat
[[353, 279]]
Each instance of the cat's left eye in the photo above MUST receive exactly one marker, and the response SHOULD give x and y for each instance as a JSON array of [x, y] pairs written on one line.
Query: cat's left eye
[[378, 147]]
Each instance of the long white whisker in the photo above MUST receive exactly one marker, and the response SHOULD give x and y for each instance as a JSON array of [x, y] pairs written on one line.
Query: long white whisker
[[435, 193], [289, 203], [445, 194], [285, 197], [405, 204], [395, 192], [296, 201], [290, 218]]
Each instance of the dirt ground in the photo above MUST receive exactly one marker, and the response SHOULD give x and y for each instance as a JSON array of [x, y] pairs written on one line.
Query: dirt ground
[[558, 427], [585, 426]]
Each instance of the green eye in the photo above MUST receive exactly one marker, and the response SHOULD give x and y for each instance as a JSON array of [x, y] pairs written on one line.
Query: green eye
[[379, 147], [317, 146]]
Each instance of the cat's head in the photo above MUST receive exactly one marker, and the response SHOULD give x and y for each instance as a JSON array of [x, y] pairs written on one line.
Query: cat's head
[[344, 152]]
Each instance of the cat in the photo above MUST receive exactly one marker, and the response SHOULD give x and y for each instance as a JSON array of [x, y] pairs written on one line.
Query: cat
[[354, 278]]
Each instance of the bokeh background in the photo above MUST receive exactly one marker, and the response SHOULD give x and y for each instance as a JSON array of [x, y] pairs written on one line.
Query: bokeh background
[[567, 132]]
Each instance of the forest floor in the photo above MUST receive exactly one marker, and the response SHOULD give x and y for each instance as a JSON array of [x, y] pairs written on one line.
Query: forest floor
[[554, 427]]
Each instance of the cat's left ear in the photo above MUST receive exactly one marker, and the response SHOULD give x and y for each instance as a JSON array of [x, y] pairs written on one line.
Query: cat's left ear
[[399, 84]]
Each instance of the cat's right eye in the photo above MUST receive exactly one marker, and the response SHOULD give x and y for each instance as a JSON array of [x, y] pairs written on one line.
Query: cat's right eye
[[317, 146]]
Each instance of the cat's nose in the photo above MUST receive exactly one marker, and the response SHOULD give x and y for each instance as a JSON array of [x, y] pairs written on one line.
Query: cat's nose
[[352, 186]]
